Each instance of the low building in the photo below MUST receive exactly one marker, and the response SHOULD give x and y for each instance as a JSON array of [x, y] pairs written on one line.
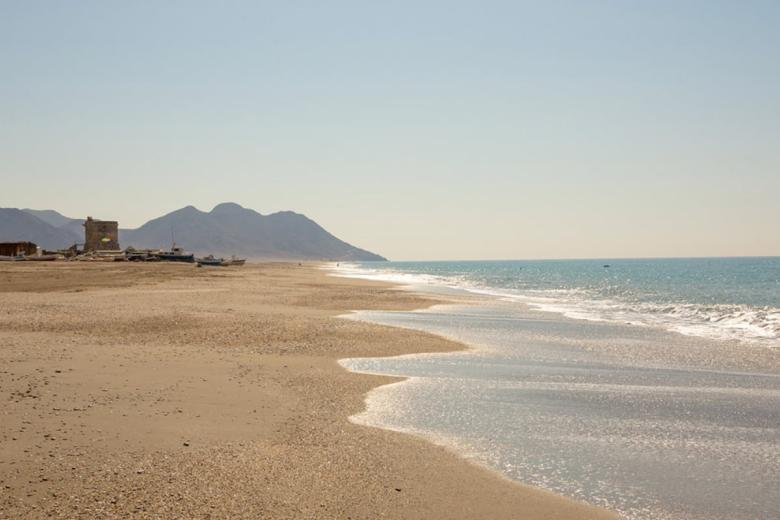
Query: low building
[[101, 235], [18, 248]]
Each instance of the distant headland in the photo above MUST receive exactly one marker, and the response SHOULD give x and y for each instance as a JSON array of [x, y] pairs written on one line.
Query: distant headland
[[228, 228]]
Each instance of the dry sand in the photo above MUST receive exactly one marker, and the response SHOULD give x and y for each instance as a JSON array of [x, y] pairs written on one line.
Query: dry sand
[[166, 391]]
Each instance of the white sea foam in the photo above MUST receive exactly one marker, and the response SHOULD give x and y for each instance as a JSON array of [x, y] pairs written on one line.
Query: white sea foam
[[745, 323], [347, 270], [664, 442], [725, 322]]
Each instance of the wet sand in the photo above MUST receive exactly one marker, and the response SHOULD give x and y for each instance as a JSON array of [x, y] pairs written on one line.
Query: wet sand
[[167, 391]]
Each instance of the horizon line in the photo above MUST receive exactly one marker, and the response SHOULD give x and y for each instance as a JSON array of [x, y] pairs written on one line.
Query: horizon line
[[584, 258]]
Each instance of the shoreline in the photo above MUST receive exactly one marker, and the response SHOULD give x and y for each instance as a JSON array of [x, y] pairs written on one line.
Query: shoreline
[[762, 359], [643, 373], [143, 391], [752, 325]]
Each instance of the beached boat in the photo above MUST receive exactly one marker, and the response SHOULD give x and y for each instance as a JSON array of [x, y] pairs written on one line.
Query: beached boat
[[176, 254], [25, 258], [211, 261], [136, 257], [234, 260], [175, 257]]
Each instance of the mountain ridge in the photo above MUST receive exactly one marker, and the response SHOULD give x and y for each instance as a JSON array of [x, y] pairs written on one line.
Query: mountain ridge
[[20, 225], [228, 228]]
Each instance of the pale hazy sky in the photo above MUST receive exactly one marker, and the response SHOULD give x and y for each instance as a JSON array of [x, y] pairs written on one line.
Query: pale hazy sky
[[419, 130]]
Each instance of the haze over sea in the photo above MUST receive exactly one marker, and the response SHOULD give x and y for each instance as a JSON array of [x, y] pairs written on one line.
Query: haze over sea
[[648, 386]]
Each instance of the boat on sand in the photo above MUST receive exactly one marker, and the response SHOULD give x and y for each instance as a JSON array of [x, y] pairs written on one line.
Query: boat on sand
[[176, 254], [234, 260], [210, 260], [40, 258]]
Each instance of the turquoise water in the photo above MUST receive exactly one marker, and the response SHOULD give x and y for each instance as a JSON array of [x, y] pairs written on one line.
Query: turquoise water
[[725, 298], [650, 387]]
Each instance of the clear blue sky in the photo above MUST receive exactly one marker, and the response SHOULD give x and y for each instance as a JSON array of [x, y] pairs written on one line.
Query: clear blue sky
[[417, 129]]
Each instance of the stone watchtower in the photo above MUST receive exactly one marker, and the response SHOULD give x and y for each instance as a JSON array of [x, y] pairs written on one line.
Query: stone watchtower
[[101, 235]]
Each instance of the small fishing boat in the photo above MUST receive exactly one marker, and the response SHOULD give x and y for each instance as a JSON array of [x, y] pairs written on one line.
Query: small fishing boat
[[234, 260], [176, 254], [211, 261], [136, 257], [5, 258], [40, 258]]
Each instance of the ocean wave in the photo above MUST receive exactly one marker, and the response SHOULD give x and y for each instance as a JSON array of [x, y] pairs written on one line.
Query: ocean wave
[[744, 323], [724, 322], [349, 270]]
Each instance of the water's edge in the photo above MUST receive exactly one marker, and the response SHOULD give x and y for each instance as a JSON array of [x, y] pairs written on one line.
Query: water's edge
[[450, 444], [400, 406]]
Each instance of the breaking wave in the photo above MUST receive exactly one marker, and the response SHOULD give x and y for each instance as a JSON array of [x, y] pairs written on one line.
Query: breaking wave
[[741, 322]]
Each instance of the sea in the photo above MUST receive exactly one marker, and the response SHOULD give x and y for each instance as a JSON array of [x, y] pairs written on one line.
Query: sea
[[650, 387]]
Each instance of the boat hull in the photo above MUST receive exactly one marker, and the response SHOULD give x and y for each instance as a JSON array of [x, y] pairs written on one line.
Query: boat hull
[[166, 257]]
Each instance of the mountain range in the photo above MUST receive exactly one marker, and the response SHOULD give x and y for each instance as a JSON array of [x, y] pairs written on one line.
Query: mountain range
[[228, 229]]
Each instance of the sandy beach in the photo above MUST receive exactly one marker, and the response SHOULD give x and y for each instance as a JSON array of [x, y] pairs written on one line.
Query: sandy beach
[[166, 391]]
